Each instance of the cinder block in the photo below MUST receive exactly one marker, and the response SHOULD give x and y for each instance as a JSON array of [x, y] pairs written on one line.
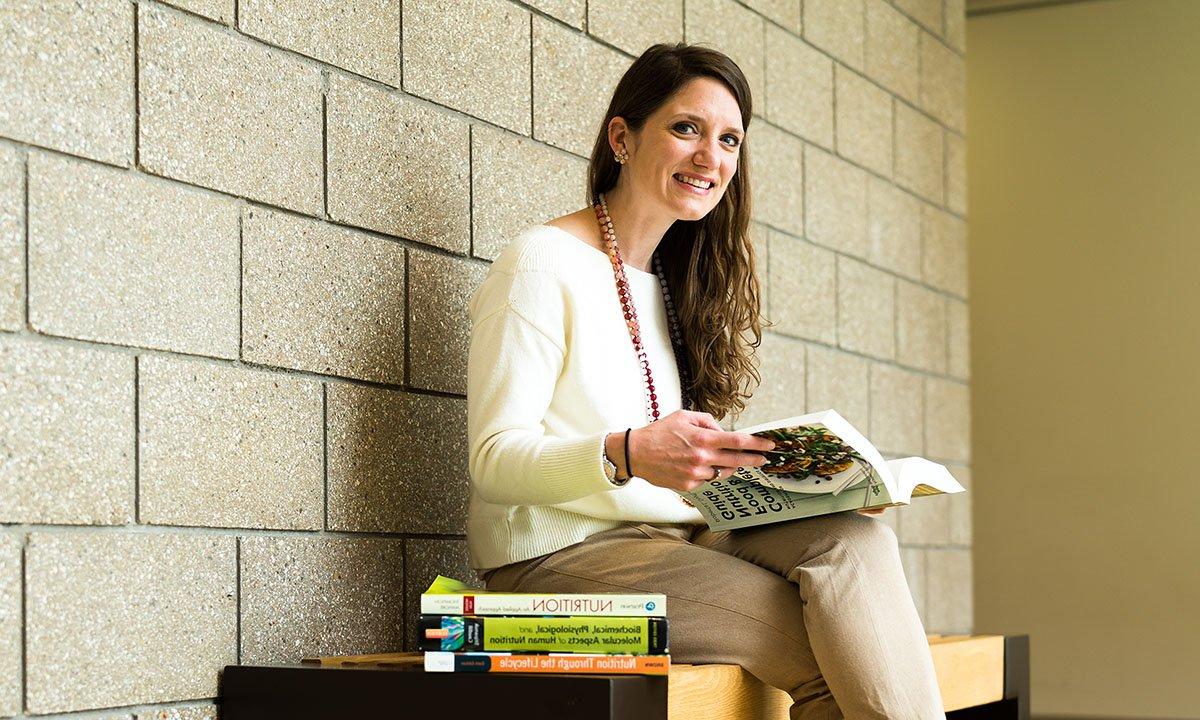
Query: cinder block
[[839, 381], [634, 25], [734, 30], [362, 36], [126, 619], [12, 239], [956, 24], [551, 182], [950, 600], [926, 12], [892, 53], [943, 83], [944, 252], [219, 10], [919, 154], [893, 228], [781, 392], [424, 560], [304, 596], [321, 298], [897, 410], [760, 236], [864, 122], [397, 166], [947, 420], [778, 178], [222, 111], [573, 79], [10, 625], [223, 446], [838, 28], [836, 202], [927, 521], [865, 309], [397, 461], [67, 436], [120, 257], [191, 712], [920, 327], [803, 281], [784, 12], [572, 12], [472, 55], [66, 76], [958, 330], [799, 87], [956, 173], [439, 324]]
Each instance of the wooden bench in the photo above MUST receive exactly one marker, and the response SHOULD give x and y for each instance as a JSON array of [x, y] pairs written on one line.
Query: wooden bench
[[981, 677], [971, 673]]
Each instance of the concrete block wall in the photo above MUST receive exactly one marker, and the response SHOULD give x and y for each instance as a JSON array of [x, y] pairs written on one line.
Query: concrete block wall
[[236, 242]]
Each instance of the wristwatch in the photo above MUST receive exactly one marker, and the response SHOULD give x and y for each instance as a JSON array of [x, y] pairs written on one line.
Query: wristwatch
[[610, 470]]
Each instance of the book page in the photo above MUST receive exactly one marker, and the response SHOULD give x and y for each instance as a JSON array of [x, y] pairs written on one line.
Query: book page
[[918, 477]]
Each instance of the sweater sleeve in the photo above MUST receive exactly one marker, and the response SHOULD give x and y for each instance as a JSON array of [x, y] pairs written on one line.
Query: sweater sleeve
[[516, 356]]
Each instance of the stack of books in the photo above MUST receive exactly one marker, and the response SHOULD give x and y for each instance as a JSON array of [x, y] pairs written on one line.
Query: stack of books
[[462, 629]]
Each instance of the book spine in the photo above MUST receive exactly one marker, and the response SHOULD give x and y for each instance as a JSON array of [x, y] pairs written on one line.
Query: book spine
[[588, 635], [580, 664], [610, 605]]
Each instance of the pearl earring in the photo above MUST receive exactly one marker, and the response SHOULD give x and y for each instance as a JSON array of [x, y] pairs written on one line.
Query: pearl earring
[[621, 157]]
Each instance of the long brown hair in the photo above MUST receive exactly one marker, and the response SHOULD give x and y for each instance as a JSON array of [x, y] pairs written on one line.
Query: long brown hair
[[708, 263]]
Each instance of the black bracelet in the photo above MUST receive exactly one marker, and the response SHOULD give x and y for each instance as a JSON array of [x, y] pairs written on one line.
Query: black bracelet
[[628, 467]]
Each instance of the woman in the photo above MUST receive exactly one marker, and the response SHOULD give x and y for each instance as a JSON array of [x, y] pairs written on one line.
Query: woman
[[604, 344]]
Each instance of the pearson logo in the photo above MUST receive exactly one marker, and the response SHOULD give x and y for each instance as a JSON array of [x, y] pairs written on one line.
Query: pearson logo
[[650, 606]]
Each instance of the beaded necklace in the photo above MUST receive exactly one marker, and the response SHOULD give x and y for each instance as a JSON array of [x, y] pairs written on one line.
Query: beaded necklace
[[631, 320]]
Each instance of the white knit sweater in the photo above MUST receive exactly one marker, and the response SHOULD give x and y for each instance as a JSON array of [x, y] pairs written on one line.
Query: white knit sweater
[[551, 371]]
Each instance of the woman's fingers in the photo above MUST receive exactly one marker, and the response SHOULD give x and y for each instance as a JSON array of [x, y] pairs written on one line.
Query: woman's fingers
[[743, 441], [721, 440], [726, 459]]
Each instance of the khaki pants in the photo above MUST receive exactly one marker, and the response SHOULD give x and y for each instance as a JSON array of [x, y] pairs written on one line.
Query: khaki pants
[[817, 607]]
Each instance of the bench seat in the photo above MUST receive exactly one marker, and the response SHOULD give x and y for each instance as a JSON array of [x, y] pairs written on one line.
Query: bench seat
[[970, 671]]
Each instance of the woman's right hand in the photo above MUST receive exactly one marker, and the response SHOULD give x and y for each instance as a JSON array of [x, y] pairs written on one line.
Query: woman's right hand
[[680, 451]]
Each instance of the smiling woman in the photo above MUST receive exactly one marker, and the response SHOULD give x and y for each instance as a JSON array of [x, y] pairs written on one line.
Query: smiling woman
[[613, 339], [692, 147]]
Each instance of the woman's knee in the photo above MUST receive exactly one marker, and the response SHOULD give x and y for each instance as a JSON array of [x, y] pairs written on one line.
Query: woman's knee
[[862, 533]]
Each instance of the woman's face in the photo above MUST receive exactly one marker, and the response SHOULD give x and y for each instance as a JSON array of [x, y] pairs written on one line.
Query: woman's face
[[685, 155]]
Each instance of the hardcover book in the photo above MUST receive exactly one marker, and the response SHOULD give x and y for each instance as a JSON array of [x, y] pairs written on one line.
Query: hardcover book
[[588, 635], [821, 464], [447, 596], [439, 661]]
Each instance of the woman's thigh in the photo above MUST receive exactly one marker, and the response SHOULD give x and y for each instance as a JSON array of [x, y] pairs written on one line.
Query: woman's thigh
[[720, 609], [783, 547]]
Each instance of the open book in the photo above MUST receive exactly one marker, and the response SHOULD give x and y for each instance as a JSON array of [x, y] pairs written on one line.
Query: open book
[[820, 465]]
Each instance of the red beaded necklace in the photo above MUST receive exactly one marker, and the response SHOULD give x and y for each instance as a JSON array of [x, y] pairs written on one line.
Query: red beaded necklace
[[631, 320]]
